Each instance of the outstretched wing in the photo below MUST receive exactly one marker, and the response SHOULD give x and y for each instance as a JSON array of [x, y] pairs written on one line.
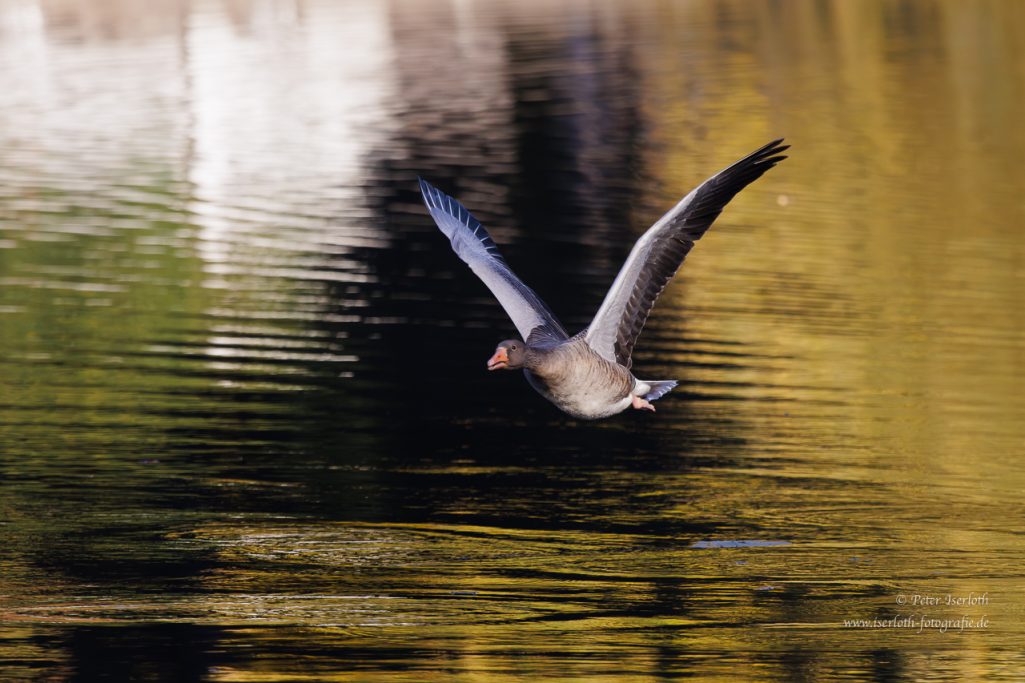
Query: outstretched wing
[[660, 251], [474, 245]]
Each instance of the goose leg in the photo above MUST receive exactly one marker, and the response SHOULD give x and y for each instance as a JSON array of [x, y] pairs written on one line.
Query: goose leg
[[641, 404]]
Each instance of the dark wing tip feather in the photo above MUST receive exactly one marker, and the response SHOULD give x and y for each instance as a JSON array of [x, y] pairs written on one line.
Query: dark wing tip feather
[[751, 167], [774, 147], [765, 156]]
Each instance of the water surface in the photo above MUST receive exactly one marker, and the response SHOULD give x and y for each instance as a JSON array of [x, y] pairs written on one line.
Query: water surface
[[246, 432]]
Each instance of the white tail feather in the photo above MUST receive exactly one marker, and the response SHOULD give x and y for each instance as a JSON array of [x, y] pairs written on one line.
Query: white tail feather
[[658, 389]]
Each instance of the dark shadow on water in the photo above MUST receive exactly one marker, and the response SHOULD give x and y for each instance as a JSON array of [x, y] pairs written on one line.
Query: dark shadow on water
[[155, 652]]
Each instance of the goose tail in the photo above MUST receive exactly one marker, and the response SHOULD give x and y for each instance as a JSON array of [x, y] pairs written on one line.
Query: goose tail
[[658, 389]]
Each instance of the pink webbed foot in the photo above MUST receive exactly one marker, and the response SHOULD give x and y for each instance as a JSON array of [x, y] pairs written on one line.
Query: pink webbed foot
[[641, 404]]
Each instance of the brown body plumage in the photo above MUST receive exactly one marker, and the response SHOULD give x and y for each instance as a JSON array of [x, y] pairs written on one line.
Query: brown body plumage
[[579, 381]]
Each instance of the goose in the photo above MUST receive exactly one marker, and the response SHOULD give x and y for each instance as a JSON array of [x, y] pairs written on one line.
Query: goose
[[589, 374]]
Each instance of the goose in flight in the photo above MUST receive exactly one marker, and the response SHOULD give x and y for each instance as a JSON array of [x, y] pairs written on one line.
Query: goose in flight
[[588, 375]]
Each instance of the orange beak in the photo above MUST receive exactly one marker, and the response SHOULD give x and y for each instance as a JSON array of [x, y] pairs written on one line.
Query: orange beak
[[499, 360]]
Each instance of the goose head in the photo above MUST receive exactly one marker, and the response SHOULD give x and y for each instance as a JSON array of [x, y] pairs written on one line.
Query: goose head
[[509, 355]]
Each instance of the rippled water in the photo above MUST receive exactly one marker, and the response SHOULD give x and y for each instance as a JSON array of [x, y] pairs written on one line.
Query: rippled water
[[246, 432]]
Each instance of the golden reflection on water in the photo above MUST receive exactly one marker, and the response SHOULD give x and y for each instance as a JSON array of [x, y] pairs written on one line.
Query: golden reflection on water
[[212, 266]]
